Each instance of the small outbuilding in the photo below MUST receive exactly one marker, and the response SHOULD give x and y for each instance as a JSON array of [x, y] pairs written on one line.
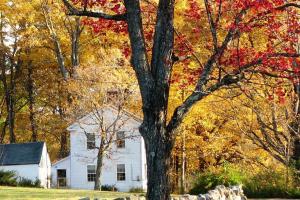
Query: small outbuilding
[[29, 160]]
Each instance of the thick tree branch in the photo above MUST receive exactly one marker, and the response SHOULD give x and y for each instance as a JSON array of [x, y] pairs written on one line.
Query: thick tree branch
[[228, 79], [74, 11], [139, 58], [211, 22], [279, 8], [287, 5], [162, 55], [199, 92]]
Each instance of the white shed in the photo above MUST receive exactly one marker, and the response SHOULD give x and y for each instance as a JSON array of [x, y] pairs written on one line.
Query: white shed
[[28, 160]]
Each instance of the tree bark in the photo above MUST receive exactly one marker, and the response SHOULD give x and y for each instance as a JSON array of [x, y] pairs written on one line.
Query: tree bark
[[75, 35], [99, 169], [64, 150], [31, 101], [158, 165], [9, 91], [154, 86]]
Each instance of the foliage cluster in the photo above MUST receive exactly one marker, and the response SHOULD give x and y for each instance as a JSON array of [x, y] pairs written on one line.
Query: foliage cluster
[[10, 178], [265, 183], [109, 188], [25, 182]]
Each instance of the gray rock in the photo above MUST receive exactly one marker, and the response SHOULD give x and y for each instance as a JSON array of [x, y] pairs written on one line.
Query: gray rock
[[224, 193], [201, 197], [188, 197], [215, 194]]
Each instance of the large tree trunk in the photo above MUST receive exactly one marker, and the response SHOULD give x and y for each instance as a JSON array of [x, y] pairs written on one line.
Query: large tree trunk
[[158, 166], [64, 150], [159, 144], [31, 101], [11, 119], [9, 100], [99, 169]]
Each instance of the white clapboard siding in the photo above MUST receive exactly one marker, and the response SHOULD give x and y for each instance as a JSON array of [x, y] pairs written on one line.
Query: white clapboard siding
[[133, 155]]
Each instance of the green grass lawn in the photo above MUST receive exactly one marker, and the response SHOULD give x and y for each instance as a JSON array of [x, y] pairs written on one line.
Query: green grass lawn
[[37, 193]]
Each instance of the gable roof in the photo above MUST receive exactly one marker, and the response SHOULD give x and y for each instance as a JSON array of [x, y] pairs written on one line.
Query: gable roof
[[61, 160], [126, 112], [112, 108], [21, 154]]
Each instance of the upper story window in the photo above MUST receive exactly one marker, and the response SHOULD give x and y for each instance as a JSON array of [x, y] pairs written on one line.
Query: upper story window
[[91, 173], [121, 139], [121, 176], [90, 141]]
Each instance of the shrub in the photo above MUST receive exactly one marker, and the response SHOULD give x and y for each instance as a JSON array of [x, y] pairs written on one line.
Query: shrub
[[25, 182], [264, 184], [8, 178], [37, 183], [109, 188], [136, 190], [227, 175], [269, 184]]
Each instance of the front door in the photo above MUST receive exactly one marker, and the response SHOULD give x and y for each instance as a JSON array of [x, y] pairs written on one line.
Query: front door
[[61, 178]]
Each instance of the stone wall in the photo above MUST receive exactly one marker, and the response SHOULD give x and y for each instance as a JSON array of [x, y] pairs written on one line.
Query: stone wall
[[219, 193]]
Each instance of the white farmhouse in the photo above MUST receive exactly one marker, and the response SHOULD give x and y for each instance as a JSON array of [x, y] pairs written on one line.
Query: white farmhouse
[[123, 168], [28, 160]]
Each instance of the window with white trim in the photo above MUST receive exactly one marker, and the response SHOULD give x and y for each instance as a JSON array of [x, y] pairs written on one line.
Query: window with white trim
[[90, 141], [121, 175], [91, 173], [121, 139]]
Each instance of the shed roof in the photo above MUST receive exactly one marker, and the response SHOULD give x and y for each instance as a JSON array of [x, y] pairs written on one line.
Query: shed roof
[[21, 154]]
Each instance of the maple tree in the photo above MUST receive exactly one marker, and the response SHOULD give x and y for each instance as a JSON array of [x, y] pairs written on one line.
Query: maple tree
[[207, 46], [228, 59]]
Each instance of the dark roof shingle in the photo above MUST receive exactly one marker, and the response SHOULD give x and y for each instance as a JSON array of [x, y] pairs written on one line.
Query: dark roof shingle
[[21, 154]]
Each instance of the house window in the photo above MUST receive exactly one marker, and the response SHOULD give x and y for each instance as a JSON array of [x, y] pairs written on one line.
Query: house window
[[91, 173], [90, 141], [121, 172], [121, 139]]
